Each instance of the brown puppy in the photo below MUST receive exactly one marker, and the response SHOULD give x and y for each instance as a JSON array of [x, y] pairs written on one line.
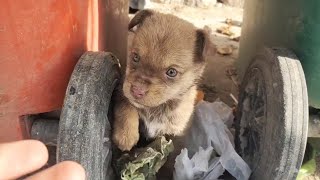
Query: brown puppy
[[159, 88]]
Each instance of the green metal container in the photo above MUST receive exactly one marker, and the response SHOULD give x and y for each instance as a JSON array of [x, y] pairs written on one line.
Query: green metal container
[[293, 24]]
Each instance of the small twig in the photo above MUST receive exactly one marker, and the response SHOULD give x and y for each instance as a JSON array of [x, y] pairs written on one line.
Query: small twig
[[234, 99], [234, 81], [232, 76]]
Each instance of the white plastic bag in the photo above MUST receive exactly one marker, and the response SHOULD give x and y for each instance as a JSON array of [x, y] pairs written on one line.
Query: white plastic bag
[[200, 166], [209, 133], [139, 4]]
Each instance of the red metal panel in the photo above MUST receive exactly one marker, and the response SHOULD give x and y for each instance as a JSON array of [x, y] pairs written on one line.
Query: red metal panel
[[40, 42]]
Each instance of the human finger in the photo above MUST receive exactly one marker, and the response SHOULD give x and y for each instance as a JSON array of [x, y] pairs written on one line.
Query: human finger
[[21, 157], [66, 170]]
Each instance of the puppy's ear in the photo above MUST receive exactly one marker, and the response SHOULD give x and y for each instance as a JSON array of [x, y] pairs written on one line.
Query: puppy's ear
[[203, 46], [138, 19]]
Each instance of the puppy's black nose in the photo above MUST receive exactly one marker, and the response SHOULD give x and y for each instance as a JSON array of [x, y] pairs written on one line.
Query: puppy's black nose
[[137, 92]]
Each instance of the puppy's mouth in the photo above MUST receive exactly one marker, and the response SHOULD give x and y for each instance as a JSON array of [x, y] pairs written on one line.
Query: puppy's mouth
[[137, 104]]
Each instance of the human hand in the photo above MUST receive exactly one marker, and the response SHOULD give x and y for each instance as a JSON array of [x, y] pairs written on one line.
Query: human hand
[[26, 156]]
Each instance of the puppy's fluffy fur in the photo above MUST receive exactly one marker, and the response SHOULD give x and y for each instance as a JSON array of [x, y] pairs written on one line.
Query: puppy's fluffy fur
[[159, 87]]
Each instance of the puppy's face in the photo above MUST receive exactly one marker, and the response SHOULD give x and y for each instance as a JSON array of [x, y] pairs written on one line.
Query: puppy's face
[[165, 60]]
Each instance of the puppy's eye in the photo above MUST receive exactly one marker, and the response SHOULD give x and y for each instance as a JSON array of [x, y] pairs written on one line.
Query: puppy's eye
[[135, 57], [172, 72]]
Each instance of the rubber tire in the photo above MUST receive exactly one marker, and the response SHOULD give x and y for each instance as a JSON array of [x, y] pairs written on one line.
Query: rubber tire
[[280, 133], [84, 129]]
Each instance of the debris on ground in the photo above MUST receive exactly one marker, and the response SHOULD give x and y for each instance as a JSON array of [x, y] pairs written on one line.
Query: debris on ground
[[234, 99], [232, 74], [209, 143], [226, 30], [178, 8], [144, 163], [225, 50], [237, 39], [194, 168], [235, 3], [232, 22], [228, 21]]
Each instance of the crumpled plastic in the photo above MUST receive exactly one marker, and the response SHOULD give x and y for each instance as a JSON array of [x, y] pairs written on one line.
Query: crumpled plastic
[[138, 4], [144, 163], [209, 134]]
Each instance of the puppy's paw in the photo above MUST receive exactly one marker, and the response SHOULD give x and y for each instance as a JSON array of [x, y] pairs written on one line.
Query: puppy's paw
[[125, 139], [126, 124]]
